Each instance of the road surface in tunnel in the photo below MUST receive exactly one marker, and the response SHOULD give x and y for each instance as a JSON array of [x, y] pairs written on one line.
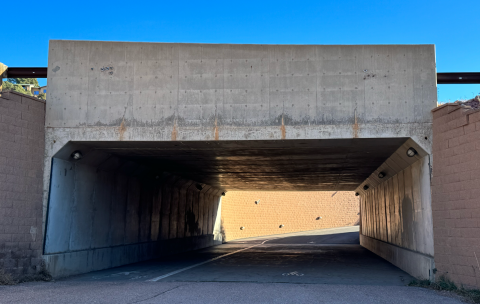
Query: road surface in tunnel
[[322, 266], [328, 256]]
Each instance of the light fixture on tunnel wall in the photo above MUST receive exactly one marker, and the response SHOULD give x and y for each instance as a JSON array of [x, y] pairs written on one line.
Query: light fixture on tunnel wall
[[411, 152], [357, 194], [76, 155], [223, 193], [241, 228], [365, 187], [381, 175], [281, 226], [319, 218], [257, 202], [199, 187]]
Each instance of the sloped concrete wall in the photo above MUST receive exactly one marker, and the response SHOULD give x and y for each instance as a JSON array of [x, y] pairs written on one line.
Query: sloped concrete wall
[[396, 213], [120, 213]]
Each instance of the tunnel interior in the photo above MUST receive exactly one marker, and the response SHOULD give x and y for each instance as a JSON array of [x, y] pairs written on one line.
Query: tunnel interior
[[288, 165], [116, 203]]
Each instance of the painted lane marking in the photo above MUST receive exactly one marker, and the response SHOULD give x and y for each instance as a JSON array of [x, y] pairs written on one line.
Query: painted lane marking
[[126, 273], [294, 273], [199, 264]]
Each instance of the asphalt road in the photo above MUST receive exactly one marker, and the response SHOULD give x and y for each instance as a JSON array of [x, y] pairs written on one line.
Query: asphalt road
[[323, 266]]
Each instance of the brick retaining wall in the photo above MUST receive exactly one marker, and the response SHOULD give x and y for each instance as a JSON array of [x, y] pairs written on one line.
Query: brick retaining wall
[[456, 193], [22, 146]]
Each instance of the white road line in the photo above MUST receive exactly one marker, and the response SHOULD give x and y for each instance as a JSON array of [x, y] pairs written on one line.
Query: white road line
[[199, 264]]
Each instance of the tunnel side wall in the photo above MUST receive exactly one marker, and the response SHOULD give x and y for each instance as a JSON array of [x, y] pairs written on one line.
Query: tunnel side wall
[[296, 211], [100, 218], [456, 193], [396, 214]]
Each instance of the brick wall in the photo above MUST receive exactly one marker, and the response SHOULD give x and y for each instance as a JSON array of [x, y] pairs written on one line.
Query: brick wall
[[456, 193], [22, 147], [297, 211]]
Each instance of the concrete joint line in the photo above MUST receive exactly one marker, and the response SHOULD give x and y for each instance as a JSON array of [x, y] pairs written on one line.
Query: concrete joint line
[[199, 264]]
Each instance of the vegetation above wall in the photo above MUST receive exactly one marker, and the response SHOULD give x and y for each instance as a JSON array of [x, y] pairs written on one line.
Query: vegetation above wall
[[14, 84]]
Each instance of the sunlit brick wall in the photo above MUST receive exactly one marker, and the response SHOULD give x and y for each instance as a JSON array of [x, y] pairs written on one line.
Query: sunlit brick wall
[[297, 211], [456, 193]]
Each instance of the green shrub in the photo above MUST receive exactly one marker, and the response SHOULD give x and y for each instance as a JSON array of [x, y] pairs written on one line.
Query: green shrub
[[444, 284]]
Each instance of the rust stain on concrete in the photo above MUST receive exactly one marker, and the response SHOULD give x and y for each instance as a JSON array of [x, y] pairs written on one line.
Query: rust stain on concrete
[[122, 129], [216, 129], [282, 128], [174, 131], [355, 126]]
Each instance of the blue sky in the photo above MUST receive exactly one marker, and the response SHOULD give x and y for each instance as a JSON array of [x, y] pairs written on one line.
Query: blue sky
[[453, 26]]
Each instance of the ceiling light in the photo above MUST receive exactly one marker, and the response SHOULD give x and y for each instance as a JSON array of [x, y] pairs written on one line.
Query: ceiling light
[[77, 155], [281, 226], [223, 193], [357, 194], [199, 187], [319, 218], [365, 187], [241, 228], [257, 202], [411, 152], [381, 175]]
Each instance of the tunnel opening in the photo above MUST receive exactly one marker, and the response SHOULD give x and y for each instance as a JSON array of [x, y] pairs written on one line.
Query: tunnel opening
[[118, 203]]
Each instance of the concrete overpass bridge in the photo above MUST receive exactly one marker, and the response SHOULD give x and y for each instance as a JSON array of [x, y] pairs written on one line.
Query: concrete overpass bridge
[[143, 139]]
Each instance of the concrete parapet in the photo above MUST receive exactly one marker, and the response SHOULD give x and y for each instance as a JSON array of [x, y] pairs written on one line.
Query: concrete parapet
[[414, 263]]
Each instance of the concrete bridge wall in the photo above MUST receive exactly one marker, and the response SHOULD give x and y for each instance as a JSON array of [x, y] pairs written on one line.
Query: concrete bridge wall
[[239, 108], [164, 92]]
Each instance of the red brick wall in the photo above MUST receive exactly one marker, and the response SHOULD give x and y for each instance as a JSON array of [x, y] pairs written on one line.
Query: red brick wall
[[22, 147], [456, 193], [297, 211]]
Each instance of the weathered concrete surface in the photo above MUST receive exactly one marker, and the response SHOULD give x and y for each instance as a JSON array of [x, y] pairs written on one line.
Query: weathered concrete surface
[[185, 92]]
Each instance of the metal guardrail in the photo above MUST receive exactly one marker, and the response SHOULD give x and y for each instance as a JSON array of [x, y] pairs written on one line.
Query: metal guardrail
[[26, 72], [458, 78], [442, 78]]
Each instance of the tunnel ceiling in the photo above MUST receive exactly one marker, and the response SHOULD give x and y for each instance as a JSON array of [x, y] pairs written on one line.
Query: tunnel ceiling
[[276, 165]]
